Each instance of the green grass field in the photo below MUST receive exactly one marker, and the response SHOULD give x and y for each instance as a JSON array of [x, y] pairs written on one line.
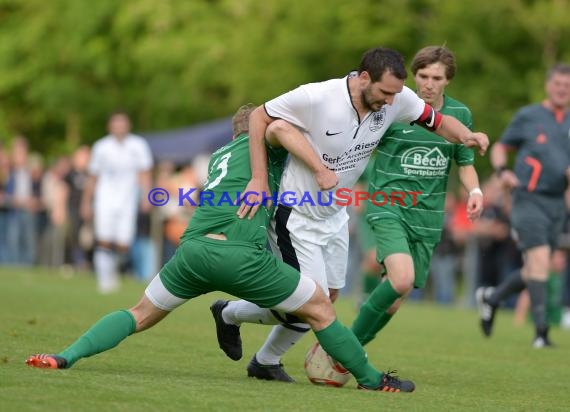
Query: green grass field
[[178, 366]]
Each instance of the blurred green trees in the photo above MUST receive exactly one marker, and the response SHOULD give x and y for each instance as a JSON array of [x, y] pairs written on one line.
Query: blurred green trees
[[65, 64]]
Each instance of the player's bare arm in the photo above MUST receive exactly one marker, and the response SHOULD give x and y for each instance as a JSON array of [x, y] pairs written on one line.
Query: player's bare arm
[[470, 181], [280, 133], [258, 122], [499, 163]]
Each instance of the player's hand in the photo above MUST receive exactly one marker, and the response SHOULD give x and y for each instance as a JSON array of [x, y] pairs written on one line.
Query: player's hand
[[256, 192], [326, 178], [474, 206], [508, 179], [477, 140]]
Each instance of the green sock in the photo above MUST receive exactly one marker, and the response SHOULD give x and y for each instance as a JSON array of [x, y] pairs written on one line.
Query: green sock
[[369, 282], [375, 325], [340, 343], [105, 334], [372, 316], [555, 288]]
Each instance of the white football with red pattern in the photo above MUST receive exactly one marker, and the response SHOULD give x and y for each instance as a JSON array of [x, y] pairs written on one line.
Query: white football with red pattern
[[321, 369]]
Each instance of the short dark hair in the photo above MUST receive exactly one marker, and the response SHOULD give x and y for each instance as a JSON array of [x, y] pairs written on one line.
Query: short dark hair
[[380, 60], [558, 68], [240, 120], [434, 54]]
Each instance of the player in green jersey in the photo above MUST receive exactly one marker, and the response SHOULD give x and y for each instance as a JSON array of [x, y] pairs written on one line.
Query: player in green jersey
[[412, 159], [220, 251]]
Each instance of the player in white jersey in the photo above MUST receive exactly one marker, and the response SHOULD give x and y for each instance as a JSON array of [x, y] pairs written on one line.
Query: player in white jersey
[[119, 171], [344, 119]]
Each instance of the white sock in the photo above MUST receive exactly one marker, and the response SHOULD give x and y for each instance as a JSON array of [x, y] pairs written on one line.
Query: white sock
[[242, 311], [106, 270], [278, 342]]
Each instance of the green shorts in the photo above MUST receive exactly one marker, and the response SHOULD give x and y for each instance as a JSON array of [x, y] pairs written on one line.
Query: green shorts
[[244, 270], [392, 237], [365, 234]]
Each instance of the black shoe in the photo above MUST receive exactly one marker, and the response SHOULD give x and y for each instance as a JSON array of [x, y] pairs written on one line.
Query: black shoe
[[267, 372], [229, 338], [486, 310], [391, 383]]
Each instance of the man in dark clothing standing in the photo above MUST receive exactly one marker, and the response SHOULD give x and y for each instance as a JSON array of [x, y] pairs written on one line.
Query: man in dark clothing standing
[[540, 134]]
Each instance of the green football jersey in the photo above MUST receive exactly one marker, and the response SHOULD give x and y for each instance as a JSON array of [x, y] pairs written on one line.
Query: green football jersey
[[228, 174], [410, 173]]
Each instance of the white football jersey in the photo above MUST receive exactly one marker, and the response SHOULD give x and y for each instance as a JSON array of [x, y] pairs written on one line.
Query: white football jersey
[[326, 116], [116, 164]]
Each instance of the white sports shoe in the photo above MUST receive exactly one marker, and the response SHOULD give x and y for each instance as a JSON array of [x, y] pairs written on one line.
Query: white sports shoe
[[486, 311], [539, 343]]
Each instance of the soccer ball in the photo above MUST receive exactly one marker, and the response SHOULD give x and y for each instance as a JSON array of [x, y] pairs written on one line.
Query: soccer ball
[[321, 369]]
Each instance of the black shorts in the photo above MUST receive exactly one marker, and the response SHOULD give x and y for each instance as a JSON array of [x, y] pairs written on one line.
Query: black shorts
[[537, 220]]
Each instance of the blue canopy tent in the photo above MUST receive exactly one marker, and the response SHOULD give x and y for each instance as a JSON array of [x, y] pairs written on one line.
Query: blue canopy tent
[[182, 145]]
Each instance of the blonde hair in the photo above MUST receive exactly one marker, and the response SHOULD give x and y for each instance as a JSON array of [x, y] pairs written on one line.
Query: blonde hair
[[240, 121]]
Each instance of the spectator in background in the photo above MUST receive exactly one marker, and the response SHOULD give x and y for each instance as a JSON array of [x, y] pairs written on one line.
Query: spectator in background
[[200, 166], [445, 258], [37, 171], [176, 217], [466, 240], [54, 196], [4, 175], [144, 257], [75, 181], [164, 171], [119, 170], [21, 225], [498, 255]]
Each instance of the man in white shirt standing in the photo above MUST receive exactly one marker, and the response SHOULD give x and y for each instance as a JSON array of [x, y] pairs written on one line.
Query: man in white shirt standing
[[119, 171], [344, 120]]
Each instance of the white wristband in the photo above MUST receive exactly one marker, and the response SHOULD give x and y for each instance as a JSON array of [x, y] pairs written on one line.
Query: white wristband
[[475, 191]]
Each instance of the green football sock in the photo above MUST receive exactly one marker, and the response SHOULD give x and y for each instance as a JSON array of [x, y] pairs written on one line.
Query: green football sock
[[369, 282], [105, 334], [372, 316], [375, 324], [340, 343]]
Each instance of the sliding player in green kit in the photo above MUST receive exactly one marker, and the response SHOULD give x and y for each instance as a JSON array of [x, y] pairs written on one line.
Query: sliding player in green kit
[[221, 251], [412, 159]]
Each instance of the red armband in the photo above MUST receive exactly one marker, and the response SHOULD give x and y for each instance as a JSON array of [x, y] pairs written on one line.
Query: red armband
[[430, 119]]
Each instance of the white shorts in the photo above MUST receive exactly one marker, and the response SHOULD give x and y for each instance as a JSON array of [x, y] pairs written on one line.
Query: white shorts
[[160, 297], [115, 225], [323, 259]]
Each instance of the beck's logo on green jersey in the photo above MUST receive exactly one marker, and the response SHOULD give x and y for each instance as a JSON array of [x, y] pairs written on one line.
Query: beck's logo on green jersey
[[424, 161]]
